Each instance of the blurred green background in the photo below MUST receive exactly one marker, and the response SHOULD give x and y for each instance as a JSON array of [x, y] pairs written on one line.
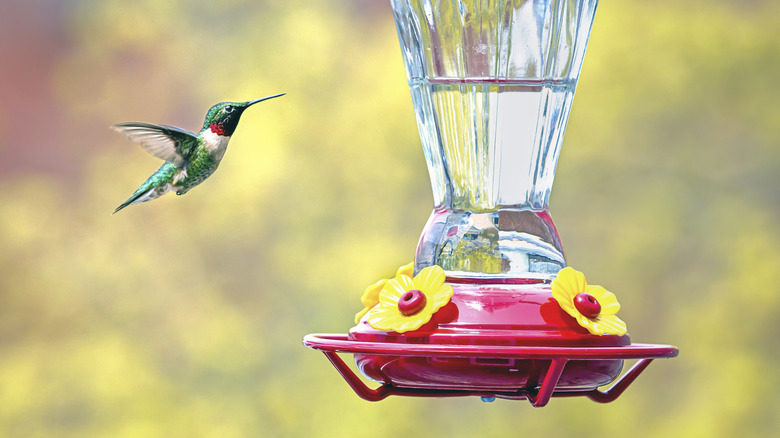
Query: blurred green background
[[184, 317]]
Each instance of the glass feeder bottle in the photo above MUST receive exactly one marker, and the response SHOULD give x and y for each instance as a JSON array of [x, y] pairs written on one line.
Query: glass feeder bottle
[[492, 84]]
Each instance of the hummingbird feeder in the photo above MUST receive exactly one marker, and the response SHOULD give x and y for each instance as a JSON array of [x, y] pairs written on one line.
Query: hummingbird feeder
[[489, 307]]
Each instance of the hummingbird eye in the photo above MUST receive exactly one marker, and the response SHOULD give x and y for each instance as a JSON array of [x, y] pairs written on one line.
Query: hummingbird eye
[[229, 109]]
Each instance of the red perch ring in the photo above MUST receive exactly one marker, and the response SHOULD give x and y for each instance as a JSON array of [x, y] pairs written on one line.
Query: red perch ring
[[509, 341]]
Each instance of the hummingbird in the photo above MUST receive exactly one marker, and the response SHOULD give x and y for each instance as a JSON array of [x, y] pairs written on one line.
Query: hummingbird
[[189, 158]]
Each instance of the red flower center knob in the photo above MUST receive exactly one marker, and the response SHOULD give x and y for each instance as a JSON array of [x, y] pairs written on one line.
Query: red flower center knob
[[412, 302], [587, 304]]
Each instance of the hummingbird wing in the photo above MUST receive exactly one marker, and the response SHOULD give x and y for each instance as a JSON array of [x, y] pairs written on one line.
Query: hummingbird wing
[[165, 142]]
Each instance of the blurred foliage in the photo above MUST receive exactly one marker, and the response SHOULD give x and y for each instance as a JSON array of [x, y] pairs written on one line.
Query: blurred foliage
[[183, 317]]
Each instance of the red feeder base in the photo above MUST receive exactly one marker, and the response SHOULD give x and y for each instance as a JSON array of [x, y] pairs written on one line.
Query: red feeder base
[[552, 362], [492, 340]]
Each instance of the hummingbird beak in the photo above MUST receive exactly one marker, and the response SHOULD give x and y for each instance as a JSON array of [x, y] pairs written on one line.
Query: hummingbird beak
[[252, 102]]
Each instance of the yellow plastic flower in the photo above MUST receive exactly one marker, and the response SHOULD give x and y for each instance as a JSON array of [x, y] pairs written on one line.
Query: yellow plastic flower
[[370, 296], [593, 307], [407, 303]]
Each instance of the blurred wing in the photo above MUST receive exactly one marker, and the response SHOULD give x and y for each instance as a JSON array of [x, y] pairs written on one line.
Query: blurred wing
[[165, 142]]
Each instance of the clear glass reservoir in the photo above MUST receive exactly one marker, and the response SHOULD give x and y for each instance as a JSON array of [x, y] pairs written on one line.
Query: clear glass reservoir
[[492, 84]]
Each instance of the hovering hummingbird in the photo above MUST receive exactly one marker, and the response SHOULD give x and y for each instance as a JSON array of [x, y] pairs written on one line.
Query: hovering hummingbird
[[189, 158]]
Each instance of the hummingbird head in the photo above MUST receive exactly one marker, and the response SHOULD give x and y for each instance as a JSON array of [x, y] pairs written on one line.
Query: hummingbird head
[[223, 117]]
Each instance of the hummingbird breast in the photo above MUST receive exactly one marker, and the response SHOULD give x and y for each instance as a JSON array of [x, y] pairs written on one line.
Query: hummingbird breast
[[215, 143], [203, 162]]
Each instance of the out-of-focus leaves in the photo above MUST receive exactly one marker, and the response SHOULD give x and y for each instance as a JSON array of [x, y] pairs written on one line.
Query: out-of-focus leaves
[[183, 317]]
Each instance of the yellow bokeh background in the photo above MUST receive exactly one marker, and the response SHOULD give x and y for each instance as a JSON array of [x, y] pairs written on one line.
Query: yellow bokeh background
[[184, 317]]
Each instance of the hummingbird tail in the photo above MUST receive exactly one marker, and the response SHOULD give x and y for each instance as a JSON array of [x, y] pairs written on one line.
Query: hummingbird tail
[[147, 192], [124, 204], [154, 186], [142, 195]]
